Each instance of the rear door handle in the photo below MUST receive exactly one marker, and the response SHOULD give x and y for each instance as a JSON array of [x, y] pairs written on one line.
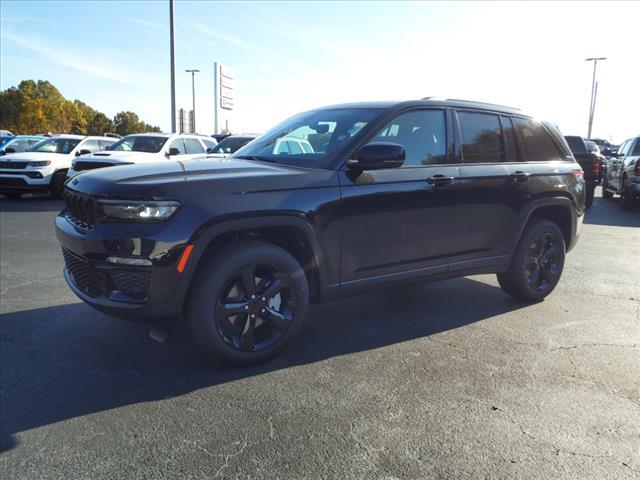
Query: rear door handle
[[520, 176], [438, 180]]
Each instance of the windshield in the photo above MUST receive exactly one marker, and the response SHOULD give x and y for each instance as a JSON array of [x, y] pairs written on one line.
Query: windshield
[[591, 147], [309, 138], [139, 143], [230, 145], [56, 145]]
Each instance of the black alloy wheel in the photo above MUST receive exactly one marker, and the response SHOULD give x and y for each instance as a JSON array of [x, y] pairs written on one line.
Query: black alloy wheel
[[256, 308], [536, 264], [248, 301], [543, 260]]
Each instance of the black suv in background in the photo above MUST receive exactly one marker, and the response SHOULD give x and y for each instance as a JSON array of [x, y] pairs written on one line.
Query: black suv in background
[[591, 161], [380, 193]]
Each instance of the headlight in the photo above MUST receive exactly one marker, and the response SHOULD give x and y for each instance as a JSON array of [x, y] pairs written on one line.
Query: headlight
[[144, 211], [42, 163]]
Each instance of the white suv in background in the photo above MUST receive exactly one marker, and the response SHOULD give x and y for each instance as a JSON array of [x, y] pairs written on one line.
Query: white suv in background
[[44, 166], [145, 148]]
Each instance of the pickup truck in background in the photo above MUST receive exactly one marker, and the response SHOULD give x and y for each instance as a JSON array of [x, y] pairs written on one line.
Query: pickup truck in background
[[590, 162]]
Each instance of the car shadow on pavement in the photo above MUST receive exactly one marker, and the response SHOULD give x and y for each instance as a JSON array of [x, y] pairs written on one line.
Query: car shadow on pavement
[[68, 361], [608, 212], [38, 203]]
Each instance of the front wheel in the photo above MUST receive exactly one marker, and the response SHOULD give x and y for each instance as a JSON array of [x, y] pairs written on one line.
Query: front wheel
[[56, 187], [247, 303], [626, 196], [537, 263]]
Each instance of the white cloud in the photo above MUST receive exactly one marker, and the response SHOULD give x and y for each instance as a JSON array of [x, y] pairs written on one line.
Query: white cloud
[[148, 23], [67, 59]]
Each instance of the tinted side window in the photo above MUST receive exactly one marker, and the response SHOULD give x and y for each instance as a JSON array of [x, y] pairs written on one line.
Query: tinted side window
[[19, 145], [538, 144], [91, 145], [193, 146], [636, 149], [209, 143], [510, 146], [177, 143], [421, 133], [104, 144], [481, 137]]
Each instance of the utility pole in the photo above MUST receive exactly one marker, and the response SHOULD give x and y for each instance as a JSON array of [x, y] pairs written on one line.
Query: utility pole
[[193, 98], [594, 92], [173, 67]]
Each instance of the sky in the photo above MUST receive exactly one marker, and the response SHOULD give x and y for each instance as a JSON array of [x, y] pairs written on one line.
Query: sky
[[294, 56]]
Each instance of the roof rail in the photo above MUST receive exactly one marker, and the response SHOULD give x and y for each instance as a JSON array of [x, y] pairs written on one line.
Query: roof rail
[[482, 103]]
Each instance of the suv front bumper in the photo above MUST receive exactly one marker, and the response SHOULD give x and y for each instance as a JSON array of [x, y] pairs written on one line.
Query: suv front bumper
[[147, 293], [26, 179]]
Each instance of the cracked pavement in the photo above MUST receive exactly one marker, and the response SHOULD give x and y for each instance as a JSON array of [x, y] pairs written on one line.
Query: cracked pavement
[[452, 380]]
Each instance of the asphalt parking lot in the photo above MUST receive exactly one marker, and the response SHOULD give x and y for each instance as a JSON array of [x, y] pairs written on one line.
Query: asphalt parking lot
[[450, 380]]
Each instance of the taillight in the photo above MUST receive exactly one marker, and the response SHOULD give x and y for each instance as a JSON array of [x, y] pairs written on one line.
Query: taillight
[[636, 170], [577, 173], [595, 166]]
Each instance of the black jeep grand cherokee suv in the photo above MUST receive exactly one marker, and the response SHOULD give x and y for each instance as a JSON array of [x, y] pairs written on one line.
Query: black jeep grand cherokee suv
[[326, 204]]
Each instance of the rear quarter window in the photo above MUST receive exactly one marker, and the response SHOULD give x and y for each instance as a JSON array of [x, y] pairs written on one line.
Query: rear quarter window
[[536, 141], [636, 149]]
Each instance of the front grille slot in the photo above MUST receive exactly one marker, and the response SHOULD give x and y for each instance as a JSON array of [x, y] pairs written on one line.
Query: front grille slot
[[80, 209], [80, 166], [133, 283], [83, 275], [13, 165]]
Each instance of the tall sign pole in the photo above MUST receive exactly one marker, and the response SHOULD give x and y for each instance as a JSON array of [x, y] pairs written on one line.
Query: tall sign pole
[[216, 97], [173, 67], [594, 92], [193, 98]]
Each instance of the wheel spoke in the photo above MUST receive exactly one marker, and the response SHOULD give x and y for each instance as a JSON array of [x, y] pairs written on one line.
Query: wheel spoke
[[246, 337], [281, 321], [279, 283], [247, 277], [231, 308], [549, 273], [535, 276], [550, 251]]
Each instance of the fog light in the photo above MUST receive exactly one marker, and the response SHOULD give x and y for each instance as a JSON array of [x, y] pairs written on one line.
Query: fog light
[[129, 261]]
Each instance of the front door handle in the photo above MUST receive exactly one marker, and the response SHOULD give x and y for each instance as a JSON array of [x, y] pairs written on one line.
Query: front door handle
[[520, 176], [439, 180]]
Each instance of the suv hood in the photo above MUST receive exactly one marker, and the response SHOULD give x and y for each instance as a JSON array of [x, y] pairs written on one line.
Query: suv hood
[[26, 156], [209, 175], [123, 157]]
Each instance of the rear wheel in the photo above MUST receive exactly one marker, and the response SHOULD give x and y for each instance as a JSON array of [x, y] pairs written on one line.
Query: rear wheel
[[248, 303], [57, 184], [537, 263], [626, 197], [606, 193], [588, 201]]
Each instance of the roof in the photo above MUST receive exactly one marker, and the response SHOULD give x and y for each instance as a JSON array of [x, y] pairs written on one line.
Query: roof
[[429, 102]]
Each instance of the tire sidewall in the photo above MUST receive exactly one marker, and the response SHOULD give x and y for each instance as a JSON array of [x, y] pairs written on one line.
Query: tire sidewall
[[214, 276], [57, 184]]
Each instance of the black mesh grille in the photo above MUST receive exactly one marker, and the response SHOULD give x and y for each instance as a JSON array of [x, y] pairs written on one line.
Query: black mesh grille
[[80, 165], [13, 165], [12, 182], [82, 274], [81, 209], [134, 283]]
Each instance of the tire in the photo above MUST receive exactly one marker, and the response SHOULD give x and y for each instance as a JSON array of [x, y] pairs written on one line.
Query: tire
[[57, 184], [627, 201], [231, 335], [588, 201], [606, 193], [541, 248]]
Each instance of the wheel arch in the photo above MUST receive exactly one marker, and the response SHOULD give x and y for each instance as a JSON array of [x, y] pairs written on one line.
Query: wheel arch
[[559, 210], [294, 234]]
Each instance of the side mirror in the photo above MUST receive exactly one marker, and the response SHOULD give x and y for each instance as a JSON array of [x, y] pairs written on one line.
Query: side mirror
[[378, 156], [174, 151], [83, 151], [9, 150], [210, 150]]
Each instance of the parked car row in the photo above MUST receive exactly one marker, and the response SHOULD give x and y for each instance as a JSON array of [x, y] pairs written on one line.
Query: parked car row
[[622, 174]]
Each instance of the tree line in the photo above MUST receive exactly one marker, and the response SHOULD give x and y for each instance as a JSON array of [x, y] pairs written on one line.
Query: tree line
[[39, 107]]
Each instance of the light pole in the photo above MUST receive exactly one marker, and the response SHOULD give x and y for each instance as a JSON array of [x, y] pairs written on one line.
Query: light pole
[[173, 67], [594, 91], [193, 98]]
